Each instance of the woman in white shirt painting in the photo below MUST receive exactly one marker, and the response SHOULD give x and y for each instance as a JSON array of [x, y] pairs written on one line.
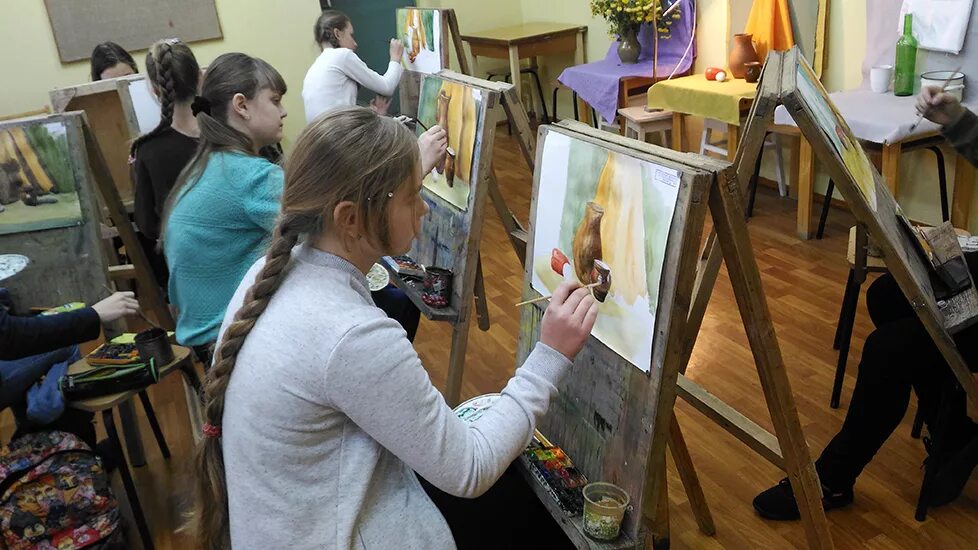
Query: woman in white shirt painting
[[332, 80]]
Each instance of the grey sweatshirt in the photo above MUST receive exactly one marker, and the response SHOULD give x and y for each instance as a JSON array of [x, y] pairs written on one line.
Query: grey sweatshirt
[[329, 413]]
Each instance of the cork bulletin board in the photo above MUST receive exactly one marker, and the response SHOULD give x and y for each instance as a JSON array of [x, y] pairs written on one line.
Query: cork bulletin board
[[79, 25]]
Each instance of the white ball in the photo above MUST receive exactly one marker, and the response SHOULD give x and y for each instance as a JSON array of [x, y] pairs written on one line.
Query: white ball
[[721, 76]]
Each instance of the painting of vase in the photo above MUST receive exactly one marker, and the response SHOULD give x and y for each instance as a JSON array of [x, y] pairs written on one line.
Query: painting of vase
[[455, 107], [603, 218], [38, 178], [421, 32]]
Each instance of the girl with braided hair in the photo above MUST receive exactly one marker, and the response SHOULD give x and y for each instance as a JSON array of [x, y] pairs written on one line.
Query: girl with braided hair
[[318, 410], [160, 155]]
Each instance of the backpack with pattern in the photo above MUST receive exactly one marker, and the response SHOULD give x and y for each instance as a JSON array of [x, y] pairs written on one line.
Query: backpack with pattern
[[55, 495]]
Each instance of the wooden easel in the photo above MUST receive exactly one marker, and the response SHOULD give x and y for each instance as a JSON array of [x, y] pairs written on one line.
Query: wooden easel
[[649, 402]]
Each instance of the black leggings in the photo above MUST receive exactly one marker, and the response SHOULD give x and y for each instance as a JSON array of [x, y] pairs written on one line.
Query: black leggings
[[898, 356]]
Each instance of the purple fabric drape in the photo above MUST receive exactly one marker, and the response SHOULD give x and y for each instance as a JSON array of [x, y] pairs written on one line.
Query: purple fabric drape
[[597, 82]]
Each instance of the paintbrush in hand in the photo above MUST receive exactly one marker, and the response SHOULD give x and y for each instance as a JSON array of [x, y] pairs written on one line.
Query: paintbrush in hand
[[920, 116], [542, 298], [138, 311]]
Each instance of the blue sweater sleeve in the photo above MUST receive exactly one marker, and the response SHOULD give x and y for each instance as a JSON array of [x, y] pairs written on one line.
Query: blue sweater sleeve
[[264, 196], [26, 336]]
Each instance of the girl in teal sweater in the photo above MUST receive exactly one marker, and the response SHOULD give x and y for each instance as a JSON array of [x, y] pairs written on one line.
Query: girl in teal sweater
[[222, 209]]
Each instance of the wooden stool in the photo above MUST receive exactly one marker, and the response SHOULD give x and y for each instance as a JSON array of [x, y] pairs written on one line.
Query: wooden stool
[[105, 405], [640, 122]]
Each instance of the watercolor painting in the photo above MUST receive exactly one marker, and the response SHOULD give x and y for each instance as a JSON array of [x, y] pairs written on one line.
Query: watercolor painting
[[834, 127], [604, 218], [455, 107], [37, 179], [424, 44]]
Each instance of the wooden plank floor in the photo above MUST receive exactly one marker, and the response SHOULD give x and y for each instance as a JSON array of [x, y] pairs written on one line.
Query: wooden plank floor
[[804, 283]]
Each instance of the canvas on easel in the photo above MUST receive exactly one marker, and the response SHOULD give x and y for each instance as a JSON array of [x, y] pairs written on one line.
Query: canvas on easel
[[425, 33], [875, 208], [119, 110]]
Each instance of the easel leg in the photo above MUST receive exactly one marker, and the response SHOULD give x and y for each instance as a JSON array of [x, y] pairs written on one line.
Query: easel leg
[[691, 482], [660, 523], [479, 292], [514, 70], [514, 229], [728, 216], [456, 362]]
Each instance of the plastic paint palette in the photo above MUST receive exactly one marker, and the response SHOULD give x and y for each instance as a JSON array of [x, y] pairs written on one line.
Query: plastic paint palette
[[474, 408], [378, 278], [12, 264]]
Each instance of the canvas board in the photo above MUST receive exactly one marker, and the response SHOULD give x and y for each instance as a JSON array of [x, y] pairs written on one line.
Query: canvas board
[[145, 104], [38, 188], [833, 125], [423, 35], [598, 204], [458, 108]]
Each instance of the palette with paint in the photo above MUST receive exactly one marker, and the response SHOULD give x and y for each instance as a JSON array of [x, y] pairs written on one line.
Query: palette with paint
[[548, 463]]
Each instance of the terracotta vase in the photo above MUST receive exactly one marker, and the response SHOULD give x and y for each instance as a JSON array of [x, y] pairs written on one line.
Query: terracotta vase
[[743, 52], [415, 44], [629, 47], [587, 243]]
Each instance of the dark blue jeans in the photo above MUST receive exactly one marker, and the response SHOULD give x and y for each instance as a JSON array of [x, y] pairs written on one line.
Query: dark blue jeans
[[20, 375], [399, 307]]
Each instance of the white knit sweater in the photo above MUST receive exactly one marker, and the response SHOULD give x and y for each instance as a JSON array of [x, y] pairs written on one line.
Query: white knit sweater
[[332, 80]]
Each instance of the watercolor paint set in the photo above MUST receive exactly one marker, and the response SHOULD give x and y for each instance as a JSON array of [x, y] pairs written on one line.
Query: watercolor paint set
[[553, 469]]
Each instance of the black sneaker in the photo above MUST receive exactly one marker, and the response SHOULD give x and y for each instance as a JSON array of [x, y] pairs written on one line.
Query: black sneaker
[[778, 502]]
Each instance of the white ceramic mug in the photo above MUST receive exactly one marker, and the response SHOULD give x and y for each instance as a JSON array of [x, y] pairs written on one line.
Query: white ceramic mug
[[880, 78]]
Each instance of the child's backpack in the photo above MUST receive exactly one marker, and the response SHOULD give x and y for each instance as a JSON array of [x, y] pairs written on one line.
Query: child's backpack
[[55, 495]]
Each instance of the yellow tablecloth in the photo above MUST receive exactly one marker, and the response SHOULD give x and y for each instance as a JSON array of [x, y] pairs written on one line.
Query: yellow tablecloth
[[697, 96]]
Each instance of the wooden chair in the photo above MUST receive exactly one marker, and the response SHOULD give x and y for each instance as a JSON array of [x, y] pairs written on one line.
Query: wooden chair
[[105, 405]]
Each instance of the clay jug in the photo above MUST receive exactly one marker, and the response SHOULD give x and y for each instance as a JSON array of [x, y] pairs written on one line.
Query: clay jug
[[415, 44], [442, 120], [741, 53], [587, 242]]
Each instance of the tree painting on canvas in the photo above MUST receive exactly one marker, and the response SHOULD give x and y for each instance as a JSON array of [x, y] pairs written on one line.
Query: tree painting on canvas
[[455, 107], [38, 188], [604, 217], [421, 32]]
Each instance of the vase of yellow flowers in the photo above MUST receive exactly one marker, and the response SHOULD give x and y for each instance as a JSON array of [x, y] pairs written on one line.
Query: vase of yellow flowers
[[626, 16]]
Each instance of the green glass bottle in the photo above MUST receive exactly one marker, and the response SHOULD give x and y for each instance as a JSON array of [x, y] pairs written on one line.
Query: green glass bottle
[[906, 59]]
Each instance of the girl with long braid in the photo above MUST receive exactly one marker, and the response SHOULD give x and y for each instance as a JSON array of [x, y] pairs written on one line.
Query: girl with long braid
[[318, 411], [160, 155]]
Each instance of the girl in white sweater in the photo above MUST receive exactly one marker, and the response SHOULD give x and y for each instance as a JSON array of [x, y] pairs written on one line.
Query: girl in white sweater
[[318, 411], [332, 80]]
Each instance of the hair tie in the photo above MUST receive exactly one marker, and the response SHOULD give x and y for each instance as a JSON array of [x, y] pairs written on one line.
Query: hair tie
[[200, 105], [211, 430]]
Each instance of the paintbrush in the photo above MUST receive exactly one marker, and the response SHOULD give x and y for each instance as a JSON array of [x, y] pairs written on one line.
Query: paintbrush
[[542, 298], [138, 311], [952, 76]]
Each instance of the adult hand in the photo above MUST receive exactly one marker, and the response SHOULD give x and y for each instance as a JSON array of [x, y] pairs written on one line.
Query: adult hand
[[379, 104], [433, 145], [397, 50], [569, 319], [939, 107], [117, 306]]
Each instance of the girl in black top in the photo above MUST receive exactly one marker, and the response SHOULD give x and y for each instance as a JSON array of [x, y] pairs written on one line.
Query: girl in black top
[[160, 155]]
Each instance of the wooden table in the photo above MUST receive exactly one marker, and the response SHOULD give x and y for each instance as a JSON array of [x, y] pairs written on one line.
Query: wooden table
[[529, 40], [694, 95], [182, 361]]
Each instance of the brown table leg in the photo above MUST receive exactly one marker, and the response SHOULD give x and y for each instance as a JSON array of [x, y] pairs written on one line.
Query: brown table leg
[[806, 188], [678, 131], [891, 166], [964, 186], [733, 141]]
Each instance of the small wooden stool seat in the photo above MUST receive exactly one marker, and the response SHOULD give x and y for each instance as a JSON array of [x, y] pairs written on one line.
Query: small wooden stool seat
[[874, 262], [640, 122], [181, 362]]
